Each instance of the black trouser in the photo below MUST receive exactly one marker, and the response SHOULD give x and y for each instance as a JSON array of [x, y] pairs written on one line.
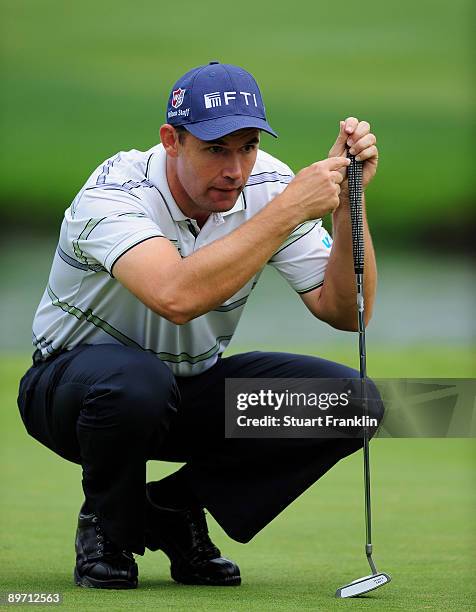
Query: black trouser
[[111, 408]]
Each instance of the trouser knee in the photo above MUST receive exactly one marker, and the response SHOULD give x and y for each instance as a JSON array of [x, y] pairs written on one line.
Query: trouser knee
[[139, 399]]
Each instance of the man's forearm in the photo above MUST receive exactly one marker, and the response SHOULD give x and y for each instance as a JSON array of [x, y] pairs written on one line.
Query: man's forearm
[[229, 263], [183, 289], [338, 295]]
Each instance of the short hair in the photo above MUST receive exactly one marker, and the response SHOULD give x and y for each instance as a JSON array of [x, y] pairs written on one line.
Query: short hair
[[182, 132]]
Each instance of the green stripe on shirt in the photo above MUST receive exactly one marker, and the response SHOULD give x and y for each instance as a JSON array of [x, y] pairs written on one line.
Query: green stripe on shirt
[[89, 316]]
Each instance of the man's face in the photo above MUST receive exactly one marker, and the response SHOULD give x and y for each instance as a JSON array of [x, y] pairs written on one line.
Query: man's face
[[213, 174]]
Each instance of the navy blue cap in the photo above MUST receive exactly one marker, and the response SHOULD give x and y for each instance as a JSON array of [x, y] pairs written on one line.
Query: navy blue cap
[[214, 100]]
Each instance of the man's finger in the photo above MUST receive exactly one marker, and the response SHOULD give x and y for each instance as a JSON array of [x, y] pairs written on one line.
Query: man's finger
[[334, 163], [360, 131], [367, 154], [342, 137], [351, 124], [362, 143], [338, 148], [337, 177]]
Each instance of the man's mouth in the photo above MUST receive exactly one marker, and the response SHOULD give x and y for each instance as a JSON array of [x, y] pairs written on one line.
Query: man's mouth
[[226, 189]]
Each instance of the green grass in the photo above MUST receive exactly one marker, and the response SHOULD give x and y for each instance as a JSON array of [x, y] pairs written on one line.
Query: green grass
[[424, 502], [431, 360], [82, 81]]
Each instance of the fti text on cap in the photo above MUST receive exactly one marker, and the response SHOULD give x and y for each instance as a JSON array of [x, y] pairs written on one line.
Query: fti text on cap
[[217, 99]]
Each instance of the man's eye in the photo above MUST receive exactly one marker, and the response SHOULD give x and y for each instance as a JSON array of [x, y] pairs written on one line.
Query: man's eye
[[249, 148], [215, 149]]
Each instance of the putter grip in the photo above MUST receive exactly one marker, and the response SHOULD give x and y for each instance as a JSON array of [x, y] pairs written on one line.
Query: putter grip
[[354, 173]]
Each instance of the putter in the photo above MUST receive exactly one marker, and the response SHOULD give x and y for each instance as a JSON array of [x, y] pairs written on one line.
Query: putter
[[375, 579]]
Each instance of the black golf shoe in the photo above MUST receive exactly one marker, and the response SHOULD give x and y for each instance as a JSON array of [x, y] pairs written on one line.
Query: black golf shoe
[[183, 536], [99, 563]]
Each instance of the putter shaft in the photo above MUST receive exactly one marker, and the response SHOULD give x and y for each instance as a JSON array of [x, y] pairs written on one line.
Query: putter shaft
[[363, 376], [355, 196], [376, 580]]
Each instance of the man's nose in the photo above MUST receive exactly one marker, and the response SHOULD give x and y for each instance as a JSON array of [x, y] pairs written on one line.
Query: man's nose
[[232, 169]]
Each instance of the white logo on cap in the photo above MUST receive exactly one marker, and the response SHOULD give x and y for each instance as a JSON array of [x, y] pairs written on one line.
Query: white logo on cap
[[214, 99], [245, 95]]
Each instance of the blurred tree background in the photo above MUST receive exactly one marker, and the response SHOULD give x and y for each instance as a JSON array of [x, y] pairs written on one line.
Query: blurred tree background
[[83, 80]]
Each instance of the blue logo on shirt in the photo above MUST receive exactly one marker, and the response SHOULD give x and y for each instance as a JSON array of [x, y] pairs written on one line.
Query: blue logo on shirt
[[327, 241]]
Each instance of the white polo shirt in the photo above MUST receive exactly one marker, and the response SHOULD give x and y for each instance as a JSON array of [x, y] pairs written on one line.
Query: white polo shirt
[[127, 200]]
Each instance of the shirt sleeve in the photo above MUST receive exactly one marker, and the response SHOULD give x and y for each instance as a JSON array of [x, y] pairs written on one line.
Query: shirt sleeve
[[302, 258], [105, 225]]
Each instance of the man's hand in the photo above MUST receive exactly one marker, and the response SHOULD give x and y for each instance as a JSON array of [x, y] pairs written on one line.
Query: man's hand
[[315, 190], [357, 136], [334, 302]]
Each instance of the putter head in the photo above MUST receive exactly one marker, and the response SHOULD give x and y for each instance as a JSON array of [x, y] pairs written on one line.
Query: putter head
[[363, 585]]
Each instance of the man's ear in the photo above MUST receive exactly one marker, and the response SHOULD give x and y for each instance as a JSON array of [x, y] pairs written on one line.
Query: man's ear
[[169, 138]]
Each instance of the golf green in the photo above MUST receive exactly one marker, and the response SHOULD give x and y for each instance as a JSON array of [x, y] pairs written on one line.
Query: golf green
[[424, 527]]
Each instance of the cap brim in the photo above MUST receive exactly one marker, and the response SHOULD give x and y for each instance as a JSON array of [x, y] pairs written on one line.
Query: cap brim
[[213, 129]]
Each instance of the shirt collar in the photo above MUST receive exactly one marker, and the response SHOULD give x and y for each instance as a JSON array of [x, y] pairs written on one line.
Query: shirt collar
[[158, 176]]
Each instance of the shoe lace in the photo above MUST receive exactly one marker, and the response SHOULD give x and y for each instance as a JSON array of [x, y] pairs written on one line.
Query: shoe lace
[[202, 548], [105, 548]]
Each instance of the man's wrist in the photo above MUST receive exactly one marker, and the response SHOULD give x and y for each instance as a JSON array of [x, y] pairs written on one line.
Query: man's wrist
[[288, 212], [343, 209], [344, 192]]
